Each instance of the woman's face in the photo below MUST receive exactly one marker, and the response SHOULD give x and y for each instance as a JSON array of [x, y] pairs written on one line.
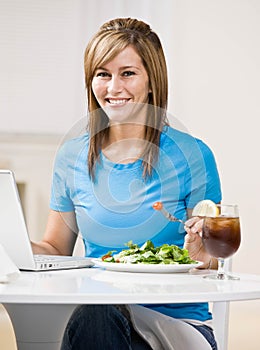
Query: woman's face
[[120, 83]]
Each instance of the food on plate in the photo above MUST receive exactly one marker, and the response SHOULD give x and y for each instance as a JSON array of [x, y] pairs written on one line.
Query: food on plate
[[205, 207], [158, 205], [149, 254]]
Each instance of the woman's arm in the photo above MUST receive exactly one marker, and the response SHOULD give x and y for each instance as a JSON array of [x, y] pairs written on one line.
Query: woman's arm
[[60, 235]]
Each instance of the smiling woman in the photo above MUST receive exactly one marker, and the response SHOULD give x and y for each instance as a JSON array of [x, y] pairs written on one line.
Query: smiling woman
[[125, 65], [107, 180]]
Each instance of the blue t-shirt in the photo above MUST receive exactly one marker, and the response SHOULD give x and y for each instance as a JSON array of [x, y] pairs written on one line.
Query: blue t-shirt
[[117, 206]]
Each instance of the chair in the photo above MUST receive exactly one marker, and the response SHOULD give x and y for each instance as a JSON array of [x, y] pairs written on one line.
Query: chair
[[165, 332]]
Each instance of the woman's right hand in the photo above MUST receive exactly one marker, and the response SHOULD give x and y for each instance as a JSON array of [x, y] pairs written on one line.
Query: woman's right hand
[[193, 242]]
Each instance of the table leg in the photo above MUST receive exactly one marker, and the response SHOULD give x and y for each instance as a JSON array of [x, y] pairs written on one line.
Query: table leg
[[220, 322], [39, 326]]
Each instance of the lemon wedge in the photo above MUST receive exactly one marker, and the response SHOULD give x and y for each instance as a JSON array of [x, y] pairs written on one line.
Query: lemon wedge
[[205, 208]]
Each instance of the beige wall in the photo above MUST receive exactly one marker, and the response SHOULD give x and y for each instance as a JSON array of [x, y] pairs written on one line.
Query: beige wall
[[212, 48]]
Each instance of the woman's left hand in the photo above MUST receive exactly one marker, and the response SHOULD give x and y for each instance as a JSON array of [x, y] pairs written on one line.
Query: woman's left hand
[[193, 242]]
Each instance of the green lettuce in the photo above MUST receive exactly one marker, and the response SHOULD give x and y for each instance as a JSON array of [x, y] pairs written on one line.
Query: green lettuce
[[149, 254]]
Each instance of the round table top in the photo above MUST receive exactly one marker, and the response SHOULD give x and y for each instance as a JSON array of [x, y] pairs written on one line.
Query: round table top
[[98, 286]]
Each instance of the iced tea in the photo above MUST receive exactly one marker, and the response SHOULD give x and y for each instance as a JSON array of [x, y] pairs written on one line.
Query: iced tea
[[221, 236]]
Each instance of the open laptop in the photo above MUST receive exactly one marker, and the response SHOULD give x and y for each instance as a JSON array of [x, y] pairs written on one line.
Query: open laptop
[[14, 236]]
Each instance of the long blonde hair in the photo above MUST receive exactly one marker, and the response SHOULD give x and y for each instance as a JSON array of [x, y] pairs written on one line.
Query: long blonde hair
[[113, 37]]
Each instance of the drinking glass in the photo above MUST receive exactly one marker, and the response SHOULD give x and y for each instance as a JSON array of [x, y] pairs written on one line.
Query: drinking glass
[[221, 237]]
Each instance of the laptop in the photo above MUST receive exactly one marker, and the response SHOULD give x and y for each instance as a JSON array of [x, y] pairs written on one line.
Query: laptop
[[14, 235]]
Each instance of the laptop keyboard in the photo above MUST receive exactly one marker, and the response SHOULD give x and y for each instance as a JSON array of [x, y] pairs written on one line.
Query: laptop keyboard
[[47, 258]]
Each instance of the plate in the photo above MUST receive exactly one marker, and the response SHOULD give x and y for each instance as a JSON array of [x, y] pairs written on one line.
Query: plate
[[149, 268]]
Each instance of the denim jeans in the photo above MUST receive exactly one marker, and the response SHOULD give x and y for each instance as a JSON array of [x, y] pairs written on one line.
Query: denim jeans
[[99, 327]]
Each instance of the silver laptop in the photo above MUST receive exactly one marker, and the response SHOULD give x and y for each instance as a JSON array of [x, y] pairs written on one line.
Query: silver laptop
[[14, 236]]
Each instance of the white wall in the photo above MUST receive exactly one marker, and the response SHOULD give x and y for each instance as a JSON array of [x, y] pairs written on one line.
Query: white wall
[[213, 53], [212, 48]]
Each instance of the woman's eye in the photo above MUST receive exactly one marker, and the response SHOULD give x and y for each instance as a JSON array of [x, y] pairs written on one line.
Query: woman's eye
[[102, 74], [128, 73]]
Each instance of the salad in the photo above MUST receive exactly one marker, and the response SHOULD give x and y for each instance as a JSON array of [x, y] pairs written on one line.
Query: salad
[[149, 254]]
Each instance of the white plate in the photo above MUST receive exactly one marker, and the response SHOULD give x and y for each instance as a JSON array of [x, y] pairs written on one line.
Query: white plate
[[153, 268]]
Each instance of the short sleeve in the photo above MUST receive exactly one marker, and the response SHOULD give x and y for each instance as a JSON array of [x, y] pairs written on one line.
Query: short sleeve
[[203, 180], [60, 199]]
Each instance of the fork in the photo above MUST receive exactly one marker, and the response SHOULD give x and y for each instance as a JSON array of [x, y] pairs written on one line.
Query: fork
[[159, 206]]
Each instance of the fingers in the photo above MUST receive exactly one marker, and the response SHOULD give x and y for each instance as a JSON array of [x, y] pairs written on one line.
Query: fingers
[[194, 225], [189, 238]]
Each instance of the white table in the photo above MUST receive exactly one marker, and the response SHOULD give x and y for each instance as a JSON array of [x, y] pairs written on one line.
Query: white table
[[40, 303]]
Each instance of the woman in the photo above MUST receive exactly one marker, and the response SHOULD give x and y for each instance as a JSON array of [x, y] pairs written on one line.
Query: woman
[[105, 182]]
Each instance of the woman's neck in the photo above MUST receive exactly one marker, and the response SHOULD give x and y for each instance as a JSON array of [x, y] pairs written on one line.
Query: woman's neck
[[124, 143]]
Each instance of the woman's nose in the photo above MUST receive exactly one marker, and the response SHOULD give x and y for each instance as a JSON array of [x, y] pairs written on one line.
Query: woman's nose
[[114, 85]]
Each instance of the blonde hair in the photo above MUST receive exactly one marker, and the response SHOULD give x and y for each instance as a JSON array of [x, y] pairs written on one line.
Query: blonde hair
[[113, 37]]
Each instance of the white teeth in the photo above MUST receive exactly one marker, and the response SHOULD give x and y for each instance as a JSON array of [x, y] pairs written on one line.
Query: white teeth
[[117, 102]]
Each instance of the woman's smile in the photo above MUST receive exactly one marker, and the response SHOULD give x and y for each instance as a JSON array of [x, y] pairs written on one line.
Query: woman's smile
[[117, 102]]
